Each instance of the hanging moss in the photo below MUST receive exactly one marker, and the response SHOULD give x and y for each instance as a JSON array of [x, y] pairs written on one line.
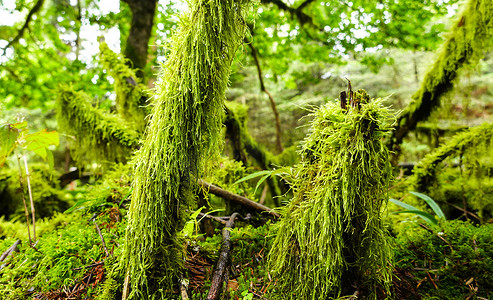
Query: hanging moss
[[99, 136], [331, 235], [468, 41], [130, 93], [476, 137], [185, 128]]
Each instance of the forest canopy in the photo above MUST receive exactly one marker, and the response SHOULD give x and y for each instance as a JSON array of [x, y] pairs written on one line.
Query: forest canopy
[[235, 149]]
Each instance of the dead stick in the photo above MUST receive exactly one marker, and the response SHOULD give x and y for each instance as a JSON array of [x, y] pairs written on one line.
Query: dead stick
[[33, 212], [89, 266], [202, 215], [220, 271], [102, 238], [26, 211], [183, 290], [236, 198], [10, 250]]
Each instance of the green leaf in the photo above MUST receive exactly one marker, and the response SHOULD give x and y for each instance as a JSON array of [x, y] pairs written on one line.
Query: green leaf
[[254, 175], [77, 205], [190, 224], [431, 203], [39, 142], [8, 137], [402, 204], [262, 180]]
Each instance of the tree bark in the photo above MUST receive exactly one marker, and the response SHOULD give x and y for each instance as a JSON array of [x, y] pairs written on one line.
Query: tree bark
[[143, 12]]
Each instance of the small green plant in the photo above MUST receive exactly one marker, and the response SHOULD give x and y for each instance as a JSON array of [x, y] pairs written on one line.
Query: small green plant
[[429, 218], [15, 138], [265, 174]]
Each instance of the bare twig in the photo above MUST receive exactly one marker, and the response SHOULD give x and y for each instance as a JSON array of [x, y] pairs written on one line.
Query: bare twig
[[221, 269], [89, 266], [236, 198], [183, 289], [26, 211], [126, 284], [202, 215], [10, 250], [102, 238], [33, 212]]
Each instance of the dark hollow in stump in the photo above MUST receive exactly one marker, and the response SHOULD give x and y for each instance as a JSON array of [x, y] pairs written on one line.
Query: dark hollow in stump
[[220, 274]]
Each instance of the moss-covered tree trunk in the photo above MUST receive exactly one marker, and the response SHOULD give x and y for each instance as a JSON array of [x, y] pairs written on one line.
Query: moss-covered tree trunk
[[184, 129], [469, 39], [331, 237]]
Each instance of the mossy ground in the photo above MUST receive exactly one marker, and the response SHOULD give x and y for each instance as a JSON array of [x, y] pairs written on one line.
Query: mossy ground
[[453, 261]]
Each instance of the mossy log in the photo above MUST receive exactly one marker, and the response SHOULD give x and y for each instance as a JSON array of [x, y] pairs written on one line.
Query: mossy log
[[476, 137], [467, 43]]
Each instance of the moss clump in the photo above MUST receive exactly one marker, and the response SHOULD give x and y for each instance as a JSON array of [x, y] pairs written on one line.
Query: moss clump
[[184, 129], [468, 41], [130, 93], [331, 235], [99, 136], [66, 244]]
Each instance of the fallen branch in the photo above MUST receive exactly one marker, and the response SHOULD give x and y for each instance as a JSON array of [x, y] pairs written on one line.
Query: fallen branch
[[220, 274], [10, 250], [236, 198], [202, 215]]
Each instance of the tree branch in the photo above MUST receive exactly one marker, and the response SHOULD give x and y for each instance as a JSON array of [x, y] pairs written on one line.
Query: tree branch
[[271, 99], [302, 17], [30, 15], [221, 270], [236, 198], [459, 50], [304, 4]]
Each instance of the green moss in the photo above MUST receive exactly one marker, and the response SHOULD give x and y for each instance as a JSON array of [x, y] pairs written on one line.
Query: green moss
[[459, 257], [466, 44], [331, 234], [130, 93], [99, 136], [66, 243], [479, 137], [184, 129]]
